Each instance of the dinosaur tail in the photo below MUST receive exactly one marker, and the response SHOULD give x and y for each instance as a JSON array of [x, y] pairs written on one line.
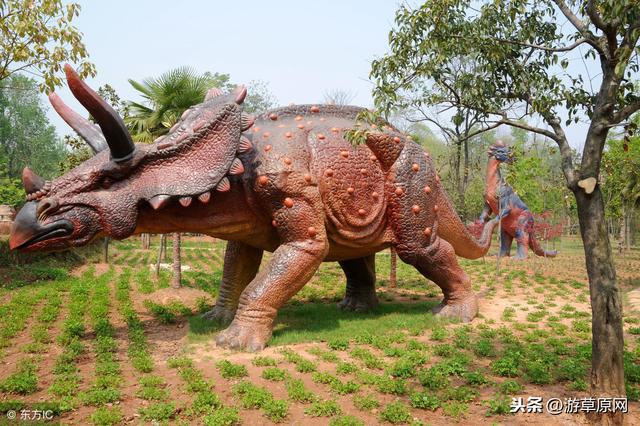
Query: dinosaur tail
[[451, 228], [535, 246]]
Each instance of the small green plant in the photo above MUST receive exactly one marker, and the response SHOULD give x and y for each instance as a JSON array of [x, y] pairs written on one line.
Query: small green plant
[[455, 409], [365, 402], [484, 348], [425, 400], [106, 416], [158, 411], [346, 368], [276, 410], [223, 416], [264, 361], [347, 420], [338, 344], [274, 374], [229, 370], [396, 413], [297, 392], [498, 405], [327, 408], [476, 378], [510, 387], [439, 333], [433, 378]]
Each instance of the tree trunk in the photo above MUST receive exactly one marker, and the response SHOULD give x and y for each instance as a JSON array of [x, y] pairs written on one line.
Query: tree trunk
[[177, 267], [607, 374], [105, 251], [392, 269], [145, 239], [161, 249]]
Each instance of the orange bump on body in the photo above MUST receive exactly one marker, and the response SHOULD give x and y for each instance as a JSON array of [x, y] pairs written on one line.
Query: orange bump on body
[[300, 126], [312, 231], [314, 108], [363, 171], [263, 180], [307, 177], [322, 118], [328, 172], [373, 158], [321, 136], [288, 135], [399, 191], [374, 195], [288, 202], [361, 212], [298, 117], [273, 223], [266, 134], [427, 232], [396, 139], [267, 148], [415, 167], [273, 116], [345, 154], [435, 208], [287, 161], [374, 126], [427, 189], [415, 209], [335, 129], [350, 190], [256, 129]]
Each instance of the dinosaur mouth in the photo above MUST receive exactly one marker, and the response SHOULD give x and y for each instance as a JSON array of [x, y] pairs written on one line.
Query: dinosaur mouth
[[26, 230]]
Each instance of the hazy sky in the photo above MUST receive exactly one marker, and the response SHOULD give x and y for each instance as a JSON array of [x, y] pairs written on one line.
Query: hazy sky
[[300, 48]]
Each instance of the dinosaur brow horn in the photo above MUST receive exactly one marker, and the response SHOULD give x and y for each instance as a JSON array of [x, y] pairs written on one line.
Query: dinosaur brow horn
[[83, 127], [115, 132]]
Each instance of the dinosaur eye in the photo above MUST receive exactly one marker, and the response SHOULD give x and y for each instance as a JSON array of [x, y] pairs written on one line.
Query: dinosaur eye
[[106, 183]]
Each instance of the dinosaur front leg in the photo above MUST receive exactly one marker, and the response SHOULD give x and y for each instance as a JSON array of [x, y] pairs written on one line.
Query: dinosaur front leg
[[241, 263], [361, 284], [438, 262], [522, 239], [292, 264]]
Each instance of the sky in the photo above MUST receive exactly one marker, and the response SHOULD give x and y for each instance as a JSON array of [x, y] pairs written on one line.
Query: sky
[[301, 49]]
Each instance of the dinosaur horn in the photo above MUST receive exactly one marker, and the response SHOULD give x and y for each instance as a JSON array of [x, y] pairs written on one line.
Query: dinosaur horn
[[83, 127], [115, 132]]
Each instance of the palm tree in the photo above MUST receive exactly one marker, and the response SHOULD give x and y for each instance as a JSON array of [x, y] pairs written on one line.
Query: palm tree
[[165, 99]]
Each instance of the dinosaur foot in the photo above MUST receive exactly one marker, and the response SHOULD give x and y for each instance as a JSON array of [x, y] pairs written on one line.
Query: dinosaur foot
[[249, 337], [463, 310], [359, 302], [220, 314]]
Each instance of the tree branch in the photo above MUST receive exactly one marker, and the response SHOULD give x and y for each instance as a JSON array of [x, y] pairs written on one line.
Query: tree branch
[[626, 112]]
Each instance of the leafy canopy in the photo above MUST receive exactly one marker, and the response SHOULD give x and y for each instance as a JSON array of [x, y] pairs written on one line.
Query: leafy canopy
[[37, 36]]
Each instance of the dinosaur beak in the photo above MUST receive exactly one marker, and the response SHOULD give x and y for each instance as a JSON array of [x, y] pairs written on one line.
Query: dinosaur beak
[[26, 230]]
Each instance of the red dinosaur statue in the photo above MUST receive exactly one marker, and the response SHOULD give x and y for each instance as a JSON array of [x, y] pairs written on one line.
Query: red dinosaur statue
[[517, 221], [286, 182]]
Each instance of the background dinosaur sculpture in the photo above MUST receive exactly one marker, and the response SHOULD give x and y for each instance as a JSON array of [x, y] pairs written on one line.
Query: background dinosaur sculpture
[[286, 182], [517, 220]]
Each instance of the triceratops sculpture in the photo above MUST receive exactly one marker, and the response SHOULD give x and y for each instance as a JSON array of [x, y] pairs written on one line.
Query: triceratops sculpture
[[286, 182]]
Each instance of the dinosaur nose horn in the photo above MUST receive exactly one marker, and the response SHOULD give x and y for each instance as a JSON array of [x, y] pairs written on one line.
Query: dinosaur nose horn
[[31, 181], [114, 130]]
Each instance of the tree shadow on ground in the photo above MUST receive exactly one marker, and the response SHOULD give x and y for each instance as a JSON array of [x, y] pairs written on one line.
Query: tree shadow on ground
[[315, 321]]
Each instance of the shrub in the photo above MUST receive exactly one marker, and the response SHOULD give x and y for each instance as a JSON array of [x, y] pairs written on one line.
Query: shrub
[[365, 402], [228, 369], [425, 401], [224, 416]]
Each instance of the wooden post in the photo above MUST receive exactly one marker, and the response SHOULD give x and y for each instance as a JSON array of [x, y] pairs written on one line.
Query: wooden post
[[177, 264], [392, 271], [105, 257], [161, 249]]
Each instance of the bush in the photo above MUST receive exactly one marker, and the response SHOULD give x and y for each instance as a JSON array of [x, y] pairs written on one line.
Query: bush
[[228, 369], [225, 416], [326, 408], [425, 401]]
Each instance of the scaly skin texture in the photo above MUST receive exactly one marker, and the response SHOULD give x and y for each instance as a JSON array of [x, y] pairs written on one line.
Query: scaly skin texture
[[286, 182], [517, 221]]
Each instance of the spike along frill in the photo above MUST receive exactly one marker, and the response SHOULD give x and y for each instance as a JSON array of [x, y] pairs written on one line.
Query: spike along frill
[[202, 129]]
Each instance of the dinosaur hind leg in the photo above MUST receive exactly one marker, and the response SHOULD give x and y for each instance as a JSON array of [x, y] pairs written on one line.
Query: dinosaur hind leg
[[438, 263], [505, 244], [361, 284]]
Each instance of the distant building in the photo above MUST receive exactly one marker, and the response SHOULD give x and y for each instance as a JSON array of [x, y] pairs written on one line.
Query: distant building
[[7, 213]]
